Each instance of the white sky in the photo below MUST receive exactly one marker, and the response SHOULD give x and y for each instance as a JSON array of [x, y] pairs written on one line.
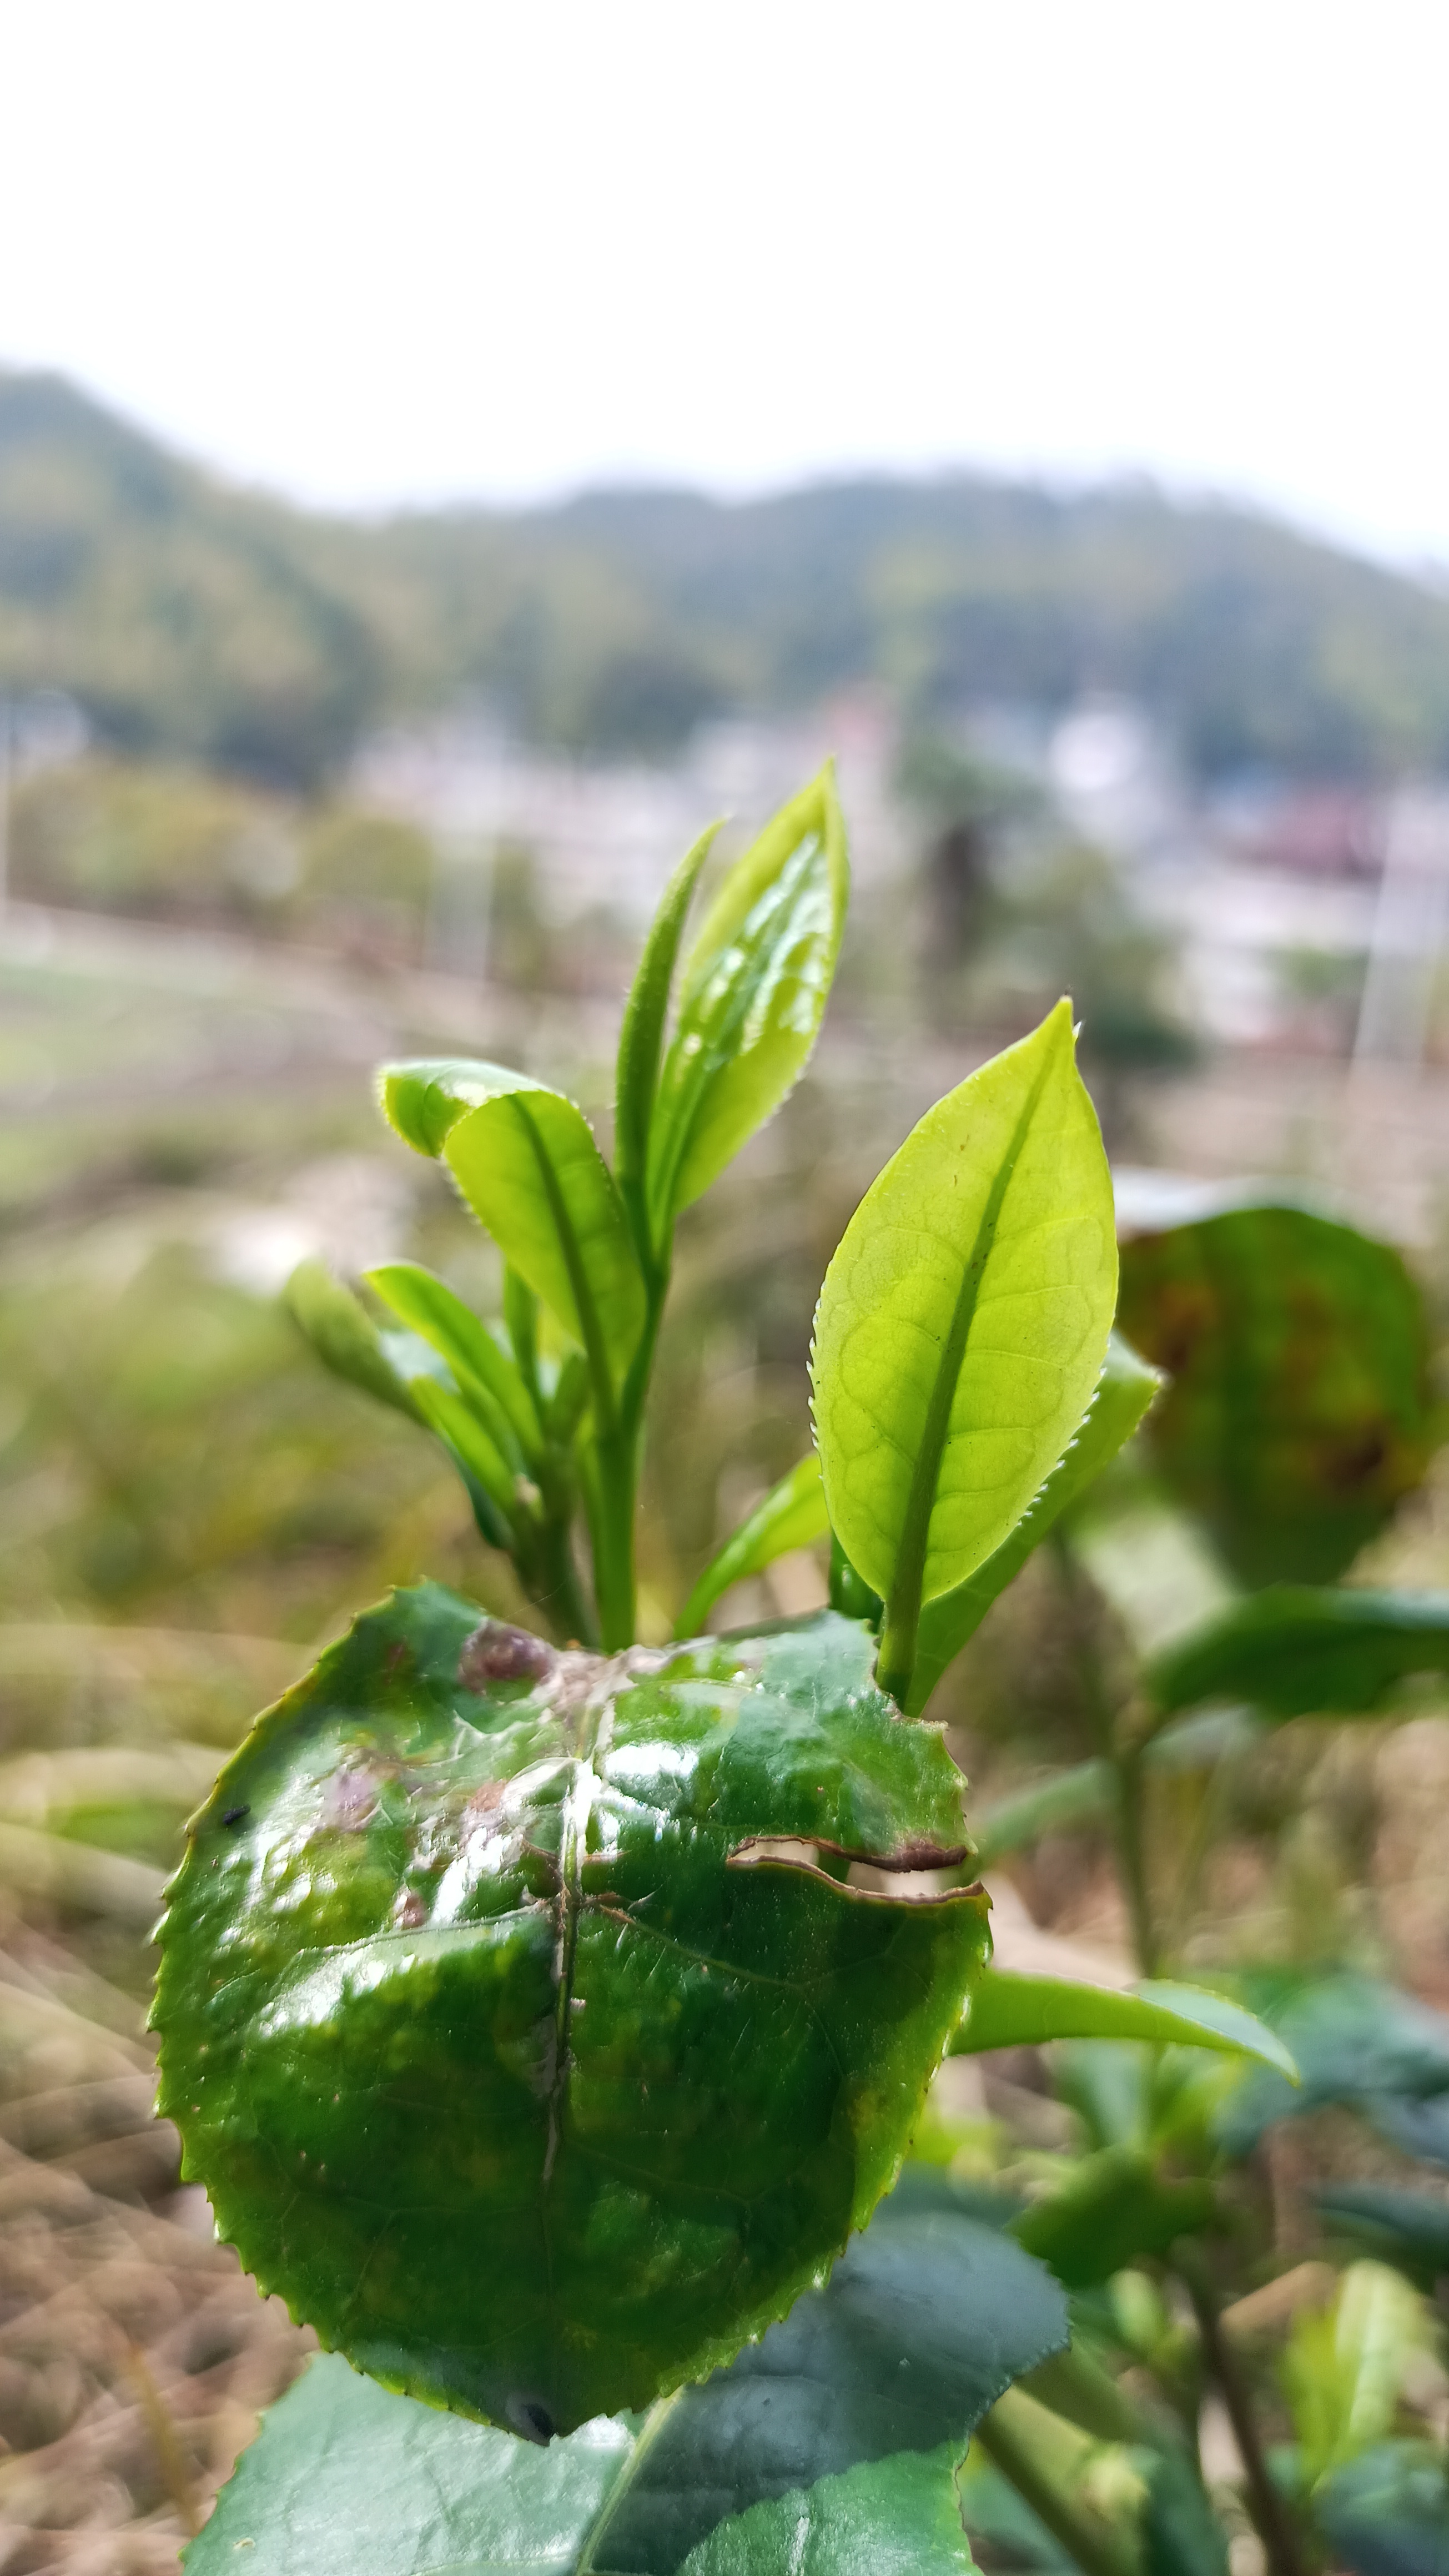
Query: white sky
[[369, 253]]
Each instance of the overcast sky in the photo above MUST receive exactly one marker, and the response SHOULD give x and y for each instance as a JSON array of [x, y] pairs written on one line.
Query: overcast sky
[[373, 253]]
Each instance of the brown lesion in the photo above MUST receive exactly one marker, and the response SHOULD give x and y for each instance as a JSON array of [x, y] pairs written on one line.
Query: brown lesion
[[916, 1855], [496, 1652]]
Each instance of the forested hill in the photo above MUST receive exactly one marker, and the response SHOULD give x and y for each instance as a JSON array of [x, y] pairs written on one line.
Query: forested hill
[[193, 619]]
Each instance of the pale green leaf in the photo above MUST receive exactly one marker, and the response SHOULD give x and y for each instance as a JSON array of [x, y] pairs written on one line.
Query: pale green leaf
[[791, 1515], [962, 1328], [1008, 2010], [754, 992], [641, 1038], [430, 1309], [525, 1160], [1124, 1392], [1343, 2371], [344, 1336]]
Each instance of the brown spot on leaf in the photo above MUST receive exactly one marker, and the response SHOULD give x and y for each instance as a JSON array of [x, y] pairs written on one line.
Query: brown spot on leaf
[[350, 1799], [497, 1653]]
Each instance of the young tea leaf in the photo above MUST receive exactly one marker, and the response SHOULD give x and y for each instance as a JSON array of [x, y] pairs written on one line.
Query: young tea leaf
[[430, 1309], [754, 992], [526, 1162], [962, 1328], [518, 2031], [641, 1039], [1124, 1392], [344, 1336], [791, 1515]]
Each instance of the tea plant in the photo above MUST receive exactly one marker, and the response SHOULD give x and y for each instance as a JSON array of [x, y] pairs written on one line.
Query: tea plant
[[550, 2017]]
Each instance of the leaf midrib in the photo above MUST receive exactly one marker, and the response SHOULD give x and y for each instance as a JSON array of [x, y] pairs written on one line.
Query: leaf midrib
[[903, 1607]]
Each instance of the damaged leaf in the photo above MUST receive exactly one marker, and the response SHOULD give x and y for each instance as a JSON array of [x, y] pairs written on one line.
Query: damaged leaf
[[520, 2023]]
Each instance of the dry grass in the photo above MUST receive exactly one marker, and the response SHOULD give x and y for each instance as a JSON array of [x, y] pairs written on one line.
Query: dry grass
[[134, 2353]]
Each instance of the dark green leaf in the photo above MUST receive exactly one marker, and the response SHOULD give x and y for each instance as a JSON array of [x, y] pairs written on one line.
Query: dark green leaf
[[430, 1308], [1076, 1797], [1008, 2010], [791, 1515], [962, 1328], [1181, 2535], [509, 2022], [641, 1039], [1352, 2040], [754, 992], [1299, 1410], [525, 1160], [1124, 1392], [925, 2320], [1387, 2514], [1403, 2227], [1115, 2208], [1295, 1650]]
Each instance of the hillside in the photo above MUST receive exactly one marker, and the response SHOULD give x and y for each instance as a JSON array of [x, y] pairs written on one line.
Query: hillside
[[198, 621]]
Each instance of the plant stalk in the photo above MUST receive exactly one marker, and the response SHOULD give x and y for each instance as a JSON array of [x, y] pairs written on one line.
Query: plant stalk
[[1019, 2437], [1271, 2518], [1126, 1763]]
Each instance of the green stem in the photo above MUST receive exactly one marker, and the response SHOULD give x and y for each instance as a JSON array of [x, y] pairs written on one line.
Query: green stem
[[1125, 1762], [1271, 2517], [1132, 1847], [554, 1585], [610, 1495], [1024, 2442]]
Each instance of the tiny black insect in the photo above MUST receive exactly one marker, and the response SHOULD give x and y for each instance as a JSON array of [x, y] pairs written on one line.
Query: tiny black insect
[[234, 1815]]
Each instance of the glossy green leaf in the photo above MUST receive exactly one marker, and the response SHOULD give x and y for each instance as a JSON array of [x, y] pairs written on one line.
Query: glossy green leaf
[[514, 2027], [346, 2479], [754, 990], [1387, 2513], [1114, 2208], [791, 1515], [1295, 1650], [962, 1328], [1299, 1411], [430, 1309], [344, 1336], [925, 2320], [898, 2517], [1407, 2228], [1009, 2010], [1354, 2041], [641, 1038], [525, 1160], [1124, 1391]]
